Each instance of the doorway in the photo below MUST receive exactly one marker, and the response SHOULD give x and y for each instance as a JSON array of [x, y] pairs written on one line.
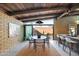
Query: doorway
[[33, 29]]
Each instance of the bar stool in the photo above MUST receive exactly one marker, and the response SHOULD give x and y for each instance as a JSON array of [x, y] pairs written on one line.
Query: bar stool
[[58, 39], [77, 46], [71, 44], [63, 41]]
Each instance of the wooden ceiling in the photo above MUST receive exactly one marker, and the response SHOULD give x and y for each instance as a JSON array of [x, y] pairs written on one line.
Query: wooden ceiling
[[35, 11]]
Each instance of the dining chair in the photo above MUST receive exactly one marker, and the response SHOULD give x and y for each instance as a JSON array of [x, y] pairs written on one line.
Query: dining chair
[[47, 40], [39, 44], [31, 41]]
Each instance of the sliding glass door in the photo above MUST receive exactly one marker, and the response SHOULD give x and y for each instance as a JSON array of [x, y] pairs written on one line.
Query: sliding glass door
[[28, 31], [44, 29]]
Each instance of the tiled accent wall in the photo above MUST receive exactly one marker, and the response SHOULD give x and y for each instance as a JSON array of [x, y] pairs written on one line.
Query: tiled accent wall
[[8, 42]]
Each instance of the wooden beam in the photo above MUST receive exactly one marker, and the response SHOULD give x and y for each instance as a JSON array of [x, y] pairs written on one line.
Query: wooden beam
[[35, 19], [71, 8], [73, 13], [40, 15], [11, 13], [37, 24]]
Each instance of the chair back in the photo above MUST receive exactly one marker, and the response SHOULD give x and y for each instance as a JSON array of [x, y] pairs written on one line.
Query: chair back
[[47, 37]]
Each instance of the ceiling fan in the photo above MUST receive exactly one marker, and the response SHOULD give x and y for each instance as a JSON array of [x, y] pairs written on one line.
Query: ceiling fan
[[39, 22]]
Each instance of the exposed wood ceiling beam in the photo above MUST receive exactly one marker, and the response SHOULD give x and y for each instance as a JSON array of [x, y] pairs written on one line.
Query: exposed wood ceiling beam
[[66, 12], [34, 16], [75, 13], [70, 13], [71, 8], [38, 18], [11, 13]]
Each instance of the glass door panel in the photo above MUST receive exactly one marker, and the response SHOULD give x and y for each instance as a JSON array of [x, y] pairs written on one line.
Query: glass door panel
[[28, 32]]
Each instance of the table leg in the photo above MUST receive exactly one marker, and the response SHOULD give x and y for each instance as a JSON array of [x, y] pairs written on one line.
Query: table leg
[[78, 48], [70, 49], [44, 45], [48, 44], [70, 53], [34, 44]]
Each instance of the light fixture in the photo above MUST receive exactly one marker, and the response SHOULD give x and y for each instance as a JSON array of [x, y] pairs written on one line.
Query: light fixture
[[39, 22], [77, 21]]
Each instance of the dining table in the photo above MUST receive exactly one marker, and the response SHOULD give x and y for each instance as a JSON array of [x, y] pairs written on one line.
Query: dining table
[[36, 39]]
